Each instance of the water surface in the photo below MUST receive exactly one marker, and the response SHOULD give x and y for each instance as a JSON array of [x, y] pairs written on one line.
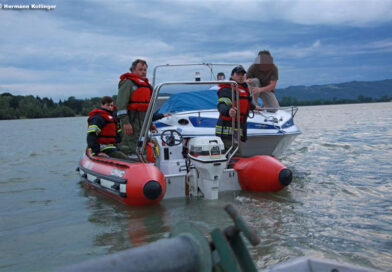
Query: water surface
[[338, 207]]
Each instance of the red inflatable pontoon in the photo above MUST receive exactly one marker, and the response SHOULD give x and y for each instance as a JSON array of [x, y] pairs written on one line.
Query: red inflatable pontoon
[[262, 174], [132, 183]]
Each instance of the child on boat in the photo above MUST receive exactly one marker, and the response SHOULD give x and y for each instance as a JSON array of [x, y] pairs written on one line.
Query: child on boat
[[102, 131]]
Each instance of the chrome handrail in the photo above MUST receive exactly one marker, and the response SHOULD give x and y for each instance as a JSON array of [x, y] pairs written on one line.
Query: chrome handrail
[[141, 145], [209, 65], [293, 109]]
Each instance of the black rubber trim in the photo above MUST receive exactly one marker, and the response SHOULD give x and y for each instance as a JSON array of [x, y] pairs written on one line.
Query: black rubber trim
[[124, 195], [166, 153], [99, 186], [99, 175], [152, 189]]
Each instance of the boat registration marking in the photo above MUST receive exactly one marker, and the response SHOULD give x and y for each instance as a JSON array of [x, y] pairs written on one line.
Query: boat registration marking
[[88, 165], [117, 173]]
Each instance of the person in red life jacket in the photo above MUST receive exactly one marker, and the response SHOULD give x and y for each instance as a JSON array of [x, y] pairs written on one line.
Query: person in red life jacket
[[133, 98], [227, 107], [102, 131]]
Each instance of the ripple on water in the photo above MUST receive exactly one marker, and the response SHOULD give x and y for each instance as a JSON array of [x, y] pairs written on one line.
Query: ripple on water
[[335, 145], [303, 149], [337, 207], [12, 191], [40, 202], [33, 154], [13, 181]]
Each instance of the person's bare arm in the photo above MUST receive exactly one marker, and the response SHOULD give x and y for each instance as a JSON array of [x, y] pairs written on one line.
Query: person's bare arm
[[270, 87], [255, 99]]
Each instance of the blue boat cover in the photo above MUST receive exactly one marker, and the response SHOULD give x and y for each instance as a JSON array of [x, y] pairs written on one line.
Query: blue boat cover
[[189, 101]]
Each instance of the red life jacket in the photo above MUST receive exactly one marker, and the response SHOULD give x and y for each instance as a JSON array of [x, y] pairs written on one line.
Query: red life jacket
[[140, 97], [108, 132], [245, 101]]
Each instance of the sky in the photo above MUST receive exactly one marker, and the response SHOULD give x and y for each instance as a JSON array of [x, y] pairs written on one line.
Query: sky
[[81, 47]]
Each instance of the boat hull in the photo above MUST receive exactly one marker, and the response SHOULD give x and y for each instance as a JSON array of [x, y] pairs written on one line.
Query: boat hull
[[273, 145], [268, 133], [131, 183]]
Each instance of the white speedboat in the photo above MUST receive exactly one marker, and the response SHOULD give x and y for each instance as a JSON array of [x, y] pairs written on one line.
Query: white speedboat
[[194, 114]]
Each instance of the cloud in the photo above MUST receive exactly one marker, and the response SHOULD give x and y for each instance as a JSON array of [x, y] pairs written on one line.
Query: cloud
[[300, 50], [12, 74], [383, 45], [56, 90], [334, 12], [307, 12], [358, 13], [83, 46]]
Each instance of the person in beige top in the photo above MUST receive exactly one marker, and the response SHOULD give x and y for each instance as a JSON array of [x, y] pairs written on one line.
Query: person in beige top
[[262, 77]]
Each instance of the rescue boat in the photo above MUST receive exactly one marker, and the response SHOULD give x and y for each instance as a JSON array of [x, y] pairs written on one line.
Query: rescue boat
[[169, 165]]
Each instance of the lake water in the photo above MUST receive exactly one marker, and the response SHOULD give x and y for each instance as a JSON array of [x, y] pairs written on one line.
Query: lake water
[[338, 207]]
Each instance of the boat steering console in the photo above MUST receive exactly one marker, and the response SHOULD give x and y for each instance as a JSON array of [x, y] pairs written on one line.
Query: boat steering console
[[171, 137]]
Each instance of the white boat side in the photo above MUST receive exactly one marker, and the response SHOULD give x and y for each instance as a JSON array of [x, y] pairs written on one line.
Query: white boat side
[[269, 133]]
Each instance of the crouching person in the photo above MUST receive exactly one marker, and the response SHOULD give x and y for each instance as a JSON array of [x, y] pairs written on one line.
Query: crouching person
[[102, 131]]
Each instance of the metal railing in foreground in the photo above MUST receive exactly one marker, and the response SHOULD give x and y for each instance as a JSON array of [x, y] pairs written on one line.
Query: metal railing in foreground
[[188, 249]]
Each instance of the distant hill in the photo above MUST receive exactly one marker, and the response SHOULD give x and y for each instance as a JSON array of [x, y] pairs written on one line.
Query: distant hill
[[347, 90], [28, 106], [333, 91]]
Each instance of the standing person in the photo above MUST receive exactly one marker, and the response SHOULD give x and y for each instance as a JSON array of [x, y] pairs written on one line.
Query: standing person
[[227, 107], [102, 130], [134, 95], [220, 76], [262, 78]]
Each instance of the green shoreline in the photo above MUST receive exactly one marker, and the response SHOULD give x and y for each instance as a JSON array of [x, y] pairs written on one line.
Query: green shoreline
[[30, 107]]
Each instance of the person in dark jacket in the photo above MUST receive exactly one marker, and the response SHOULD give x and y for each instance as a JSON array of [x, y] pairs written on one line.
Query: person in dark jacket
[[262, 78], [227, 107], [102, 131], [220, 76]]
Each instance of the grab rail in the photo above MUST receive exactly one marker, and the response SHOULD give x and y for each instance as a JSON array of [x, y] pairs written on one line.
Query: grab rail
[[293, 109], [141, 145], [209, 65]]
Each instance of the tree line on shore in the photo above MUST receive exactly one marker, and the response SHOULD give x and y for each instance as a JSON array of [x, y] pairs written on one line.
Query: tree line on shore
[[22, 107]]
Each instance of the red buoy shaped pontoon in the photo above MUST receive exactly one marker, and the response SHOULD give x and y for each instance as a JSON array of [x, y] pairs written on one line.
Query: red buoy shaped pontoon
[[132, 183], [262, 174]]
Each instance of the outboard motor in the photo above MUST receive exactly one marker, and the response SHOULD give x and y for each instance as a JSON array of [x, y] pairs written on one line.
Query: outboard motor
[[209, 162]]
